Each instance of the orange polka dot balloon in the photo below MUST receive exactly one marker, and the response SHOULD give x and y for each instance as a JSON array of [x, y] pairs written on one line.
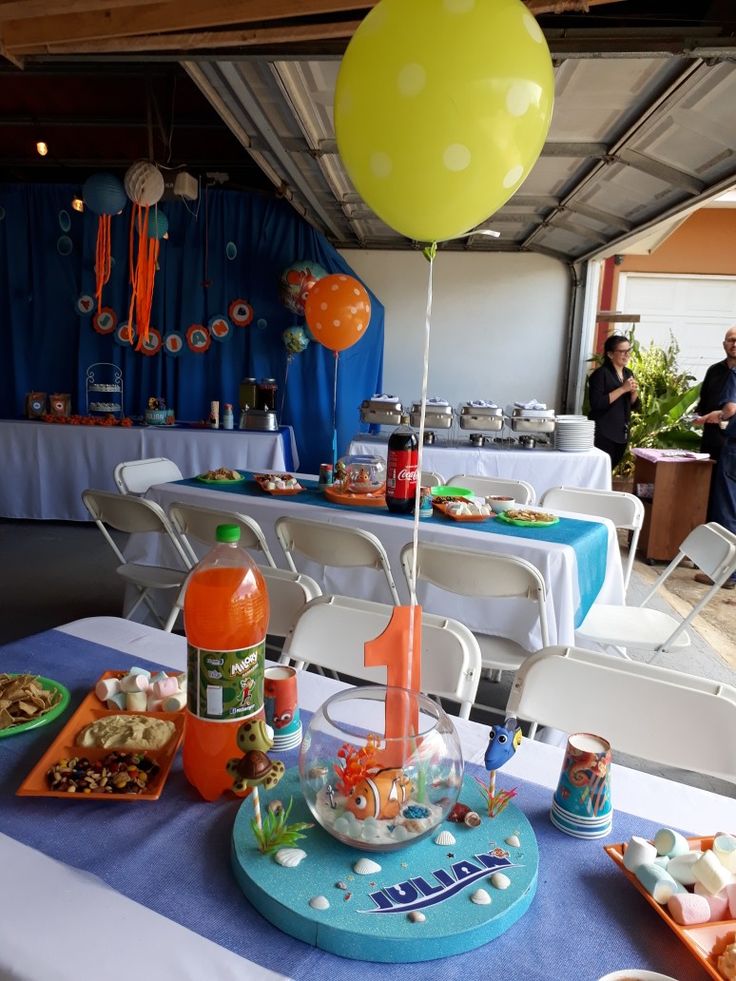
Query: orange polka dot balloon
[[338, 311]]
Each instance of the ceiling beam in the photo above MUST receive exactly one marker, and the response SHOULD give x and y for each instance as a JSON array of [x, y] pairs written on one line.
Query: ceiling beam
[[183, 15], [14, 59], [660, 171], [100, 122], [23, 9]]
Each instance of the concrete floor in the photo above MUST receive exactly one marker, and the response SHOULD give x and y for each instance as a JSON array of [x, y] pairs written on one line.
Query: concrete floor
[[55, 572]]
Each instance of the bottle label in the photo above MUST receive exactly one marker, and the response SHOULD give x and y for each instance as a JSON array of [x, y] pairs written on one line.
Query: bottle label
[[401, 473], [224, 686]]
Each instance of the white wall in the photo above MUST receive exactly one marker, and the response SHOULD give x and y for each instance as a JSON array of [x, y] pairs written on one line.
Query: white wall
[[498, 324]]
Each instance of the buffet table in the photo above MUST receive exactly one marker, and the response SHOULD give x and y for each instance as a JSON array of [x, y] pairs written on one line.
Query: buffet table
[[514, 619], [82, 880], [46, 466], [542, 467]]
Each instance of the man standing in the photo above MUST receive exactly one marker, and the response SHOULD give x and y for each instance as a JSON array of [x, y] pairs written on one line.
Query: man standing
[[710, 394]]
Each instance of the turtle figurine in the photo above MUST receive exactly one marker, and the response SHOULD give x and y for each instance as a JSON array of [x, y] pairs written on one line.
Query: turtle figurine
[[255, 768]]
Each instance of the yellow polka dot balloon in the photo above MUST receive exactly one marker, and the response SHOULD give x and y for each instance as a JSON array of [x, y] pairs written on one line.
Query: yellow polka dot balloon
[[441, 109]]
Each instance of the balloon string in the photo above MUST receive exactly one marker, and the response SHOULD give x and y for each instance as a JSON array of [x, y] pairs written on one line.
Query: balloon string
[[334, 413], [283, 394], [418, 490]]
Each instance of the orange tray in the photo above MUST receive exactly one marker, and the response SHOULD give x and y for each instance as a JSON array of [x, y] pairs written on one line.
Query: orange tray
[[337, 496], [262, 480], [706, 941], [64, 746], [441, 508]]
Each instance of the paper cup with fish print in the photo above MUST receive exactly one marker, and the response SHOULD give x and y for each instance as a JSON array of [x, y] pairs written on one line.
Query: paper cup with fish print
[[281, 706], [581, 805]]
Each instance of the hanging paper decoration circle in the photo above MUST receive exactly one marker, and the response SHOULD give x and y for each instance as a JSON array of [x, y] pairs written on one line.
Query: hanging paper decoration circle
[[158, 224], [296, 282], [173, 343], [241, 313], [261, 323], [220, 328], [64, 245], [124, 334], [198, 338], [85, 304], [104, 194], [231, 251], [65, 222], [144, 183], [152, 344], [105, 320]]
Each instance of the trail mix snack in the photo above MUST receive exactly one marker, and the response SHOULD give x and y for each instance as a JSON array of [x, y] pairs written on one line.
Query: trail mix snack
[[116, 773], [22, 699], [222, 473]]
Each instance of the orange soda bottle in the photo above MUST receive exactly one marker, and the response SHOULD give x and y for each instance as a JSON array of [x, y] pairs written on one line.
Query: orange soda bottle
[[225, 619]]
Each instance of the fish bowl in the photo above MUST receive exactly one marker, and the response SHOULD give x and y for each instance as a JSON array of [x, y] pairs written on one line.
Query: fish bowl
[[380, 767], [361, 474]]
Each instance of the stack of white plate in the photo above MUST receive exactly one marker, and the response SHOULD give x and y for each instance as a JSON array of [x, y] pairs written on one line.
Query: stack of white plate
[[573, 434]]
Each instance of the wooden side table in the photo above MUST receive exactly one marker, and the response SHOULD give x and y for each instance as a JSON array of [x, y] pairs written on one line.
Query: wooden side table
[[675, 497]]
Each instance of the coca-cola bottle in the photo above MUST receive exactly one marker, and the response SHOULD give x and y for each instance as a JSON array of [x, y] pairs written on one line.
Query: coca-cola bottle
[[401, 468]]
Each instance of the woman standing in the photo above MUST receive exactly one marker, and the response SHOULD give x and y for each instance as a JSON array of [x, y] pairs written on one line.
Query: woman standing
[[613, 390]]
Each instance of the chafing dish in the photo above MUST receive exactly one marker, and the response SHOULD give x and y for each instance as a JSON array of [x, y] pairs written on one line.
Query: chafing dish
[[532, 420], [384, 410], [261, 420], [438, 414], [481, 416]]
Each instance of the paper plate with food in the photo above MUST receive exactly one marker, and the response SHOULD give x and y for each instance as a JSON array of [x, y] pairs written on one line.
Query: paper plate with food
[[28, 701], [528, 518], [278, 483], [223, 475]]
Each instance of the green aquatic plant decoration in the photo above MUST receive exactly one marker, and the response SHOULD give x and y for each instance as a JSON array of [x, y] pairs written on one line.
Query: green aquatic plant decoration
[[276, 832]]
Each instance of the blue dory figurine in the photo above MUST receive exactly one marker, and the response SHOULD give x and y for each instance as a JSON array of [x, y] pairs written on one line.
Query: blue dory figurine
[[503, 741]]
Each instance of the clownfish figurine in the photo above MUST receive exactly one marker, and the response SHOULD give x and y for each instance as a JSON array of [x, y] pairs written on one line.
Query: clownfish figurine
[[380, 794], [503, 741]]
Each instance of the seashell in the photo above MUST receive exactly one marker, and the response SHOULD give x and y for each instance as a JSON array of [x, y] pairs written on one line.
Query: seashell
[[480, 897], [319, 902], [414, 826], [513, 840], [290, 857], [341, 885], [445, 838], [416, 916], [500, 881], [472, 820], [275, 807], [366, 866]]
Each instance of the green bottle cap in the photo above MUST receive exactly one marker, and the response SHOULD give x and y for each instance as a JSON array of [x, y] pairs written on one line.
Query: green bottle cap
[[227, 533]]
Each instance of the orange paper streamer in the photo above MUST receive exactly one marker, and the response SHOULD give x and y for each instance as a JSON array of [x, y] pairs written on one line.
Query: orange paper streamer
[[103, 264], [142, 273]]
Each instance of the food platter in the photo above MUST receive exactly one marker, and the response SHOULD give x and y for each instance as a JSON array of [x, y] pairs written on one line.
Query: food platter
[[64, 749], [264, 479], [210, 478], [442, 507], [530, 519], [705, 941], [335, 493], [45, 717]]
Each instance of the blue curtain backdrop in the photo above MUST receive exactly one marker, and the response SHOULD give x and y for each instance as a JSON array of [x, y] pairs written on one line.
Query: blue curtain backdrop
[[47, 345]]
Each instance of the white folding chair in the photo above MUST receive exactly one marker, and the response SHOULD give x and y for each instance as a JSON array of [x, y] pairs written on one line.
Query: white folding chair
[[136, 476], [334, 545], [130, 514], [331, 633], [483, 574], [430, 478], [521, 491], [190, 520], [633, 705], [625, 511], [711, 548]]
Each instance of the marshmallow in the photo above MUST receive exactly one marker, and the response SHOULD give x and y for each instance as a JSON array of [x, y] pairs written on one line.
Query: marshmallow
[[134, 682], [136, 701], [638, 852], [106, 688], [718, 904], [163, 688], [663, 861], [175, 702], [681, 868], [182, 679], [658, 882], [709, 871], [153, 704], [725, 848], [731, 893], [686, 908], [116, 701], [159, 676], [142, 671], [669, 842]]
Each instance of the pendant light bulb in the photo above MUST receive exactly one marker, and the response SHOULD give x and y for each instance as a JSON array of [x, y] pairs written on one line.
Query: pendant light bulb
[[41, 148]]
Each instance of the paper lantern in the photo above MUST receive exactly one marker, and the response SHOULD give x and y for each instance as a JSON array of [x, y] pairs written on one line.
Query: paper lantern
[[144, 183], [104, 194]]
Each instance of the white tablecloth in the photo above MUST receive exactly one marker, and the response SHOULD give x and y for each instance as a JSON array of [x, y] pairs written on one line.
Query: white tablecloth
[[64, 924], [514, 619], [541, 467], [46, 466]]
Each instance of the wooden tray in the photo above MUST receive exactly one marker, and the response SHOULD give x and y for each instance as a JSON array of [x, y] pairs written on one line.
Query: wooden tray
[[441, 507], [64, 747], [262, 479], [706, 941], [337, 496]]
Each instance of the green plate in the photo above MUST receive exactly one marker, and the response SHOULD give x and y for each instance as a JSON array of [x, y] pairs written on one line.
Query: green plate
[[525, 524], [443, 491], [221, 483], [42, 720]]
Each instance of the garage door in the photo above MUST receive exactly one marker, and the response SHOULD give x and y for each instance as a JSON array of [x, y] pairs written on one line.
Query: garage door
[[697, 309]]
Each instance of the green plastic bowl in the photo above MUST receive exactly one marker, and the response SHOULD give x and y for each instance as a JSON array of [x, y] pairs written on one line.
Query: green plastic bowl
[[443, 491]]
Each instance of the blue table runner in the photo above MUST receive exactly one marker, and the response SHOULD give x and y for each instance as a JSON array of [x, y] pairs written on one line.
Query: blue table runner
[[173, 856], [588, 539]]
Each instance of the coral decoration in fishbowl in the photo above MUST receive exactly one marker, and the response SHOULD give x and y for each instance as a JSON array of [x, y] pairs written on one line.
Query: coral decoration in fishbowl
[[360, 474], [380, 767]]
